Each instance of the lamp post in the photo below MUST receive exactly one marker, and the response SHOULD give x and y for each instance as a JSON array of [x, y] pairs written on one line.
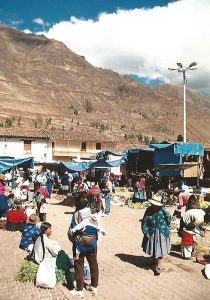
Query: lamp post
[[182, 70]]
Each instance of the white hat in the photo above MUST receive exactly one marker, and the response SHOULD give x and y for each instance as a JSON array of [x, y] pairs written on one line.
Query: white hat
[[95, 218], [156, 200]]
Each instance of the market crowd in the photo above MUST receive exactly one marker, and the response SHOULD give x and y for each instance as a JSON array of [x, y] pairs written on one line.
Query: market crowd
[[23, 207]]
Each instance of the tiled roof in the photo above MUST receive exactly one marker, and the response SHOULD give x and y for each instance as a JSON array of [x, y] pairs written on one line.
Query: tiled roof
[[67, 135], [22, 133], [70, 135]]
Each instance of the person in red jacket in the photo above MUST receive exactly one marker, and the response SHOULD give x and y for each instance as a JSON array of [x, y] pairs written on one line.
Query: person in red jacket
[[16, 218], [188, 240]]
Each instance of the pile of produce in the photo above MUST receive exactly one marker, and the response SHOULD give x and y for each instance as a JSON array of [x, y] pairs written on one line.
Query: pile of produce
[[59, 197], [204, 204], [28, 270], [139, 205], [200, 249]]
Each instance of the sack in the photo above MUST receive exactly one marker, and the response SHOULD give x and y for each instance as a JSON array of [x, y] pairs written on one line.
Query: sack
[[45, 276], [207, 271]]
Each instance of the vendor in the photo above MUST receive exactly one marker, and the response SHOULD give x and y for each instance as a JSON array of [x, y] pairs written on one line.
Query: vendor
[[16, 218]]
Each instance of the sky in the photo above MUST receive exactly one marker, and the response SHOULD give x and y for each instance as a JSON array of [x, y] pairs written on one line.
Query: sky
[[140, 38]]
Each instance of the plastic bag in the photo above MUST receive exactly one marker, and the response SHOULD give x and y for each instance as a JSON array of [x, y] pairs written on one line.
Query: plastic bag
[[45, 276]]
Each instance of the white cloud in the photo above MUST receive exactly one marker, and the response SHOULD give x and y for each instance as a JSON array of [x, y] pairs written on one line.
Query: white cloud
[[16, 22], [145, 42], [41, 22], [27, 31]]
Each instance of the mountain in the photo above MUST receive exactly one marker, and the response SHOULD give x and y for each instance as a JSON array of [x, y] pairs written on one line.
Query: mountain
[[43, 84]]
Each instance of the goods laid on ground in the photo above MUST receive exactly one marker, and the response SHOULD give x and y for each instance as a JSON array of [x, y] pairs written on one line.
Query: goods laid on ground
[[69, 201], [59, 197], [204, 204], [28, 271], [200, 249], [139, 205]]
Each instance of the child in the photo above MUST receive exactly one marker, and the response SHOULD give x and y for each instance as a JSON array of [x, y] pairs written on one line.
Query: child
[[43, 210], [188, 241], [86, 234]]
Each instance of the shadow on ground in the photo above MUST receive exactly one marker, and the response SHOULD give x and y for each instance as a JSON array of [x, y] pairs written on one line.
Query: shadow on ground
[[176, 251], [138, 261]]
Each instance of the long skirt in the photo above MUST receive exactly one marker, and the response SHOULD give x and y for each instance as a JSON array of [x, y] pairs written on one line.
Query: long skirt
[[15, 226], [157, 245]]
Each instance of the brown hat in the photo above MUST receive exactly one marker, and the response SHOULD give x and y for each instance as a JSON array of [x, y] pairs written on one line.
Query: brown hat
[[33, 219]]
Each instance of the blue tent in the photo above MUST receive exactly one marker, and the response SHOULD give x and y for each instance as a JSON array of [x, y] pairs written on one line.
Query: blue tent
[[76, 166], [99, 164], [171, 154], [8, 163]]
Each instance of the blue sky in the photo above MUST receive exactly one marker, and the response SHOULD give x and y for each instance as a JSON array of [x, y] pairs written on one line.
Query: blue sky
[[140, 38], [53, 11]]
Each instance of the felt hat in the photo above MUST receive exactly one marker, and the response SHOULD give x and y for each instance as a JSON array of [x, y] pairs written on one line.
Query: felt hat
[[156, 200]]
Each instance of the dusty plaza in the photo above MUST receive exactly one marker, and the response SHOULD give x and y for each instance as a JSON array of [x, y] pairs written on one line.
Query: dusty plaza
[[125, 271]]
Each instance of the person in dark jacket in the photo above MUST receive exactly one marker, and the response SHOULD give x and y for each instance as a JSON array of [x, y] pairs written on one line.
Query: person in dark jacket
[[4, 207]]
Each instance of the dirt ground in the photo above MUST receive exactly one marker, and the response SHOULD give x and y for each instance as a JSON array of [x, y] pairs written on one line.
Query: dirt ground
[[125, 271]]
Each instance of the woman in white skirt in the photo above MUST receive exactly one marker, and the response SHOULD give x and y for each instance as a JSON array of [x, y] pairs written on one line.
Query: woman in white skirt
[[155, 227]]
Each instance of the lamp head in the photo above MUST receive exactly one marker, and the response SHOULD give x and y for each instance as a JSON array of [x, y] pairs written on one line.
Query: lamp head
[[179, 65], [193, 64]]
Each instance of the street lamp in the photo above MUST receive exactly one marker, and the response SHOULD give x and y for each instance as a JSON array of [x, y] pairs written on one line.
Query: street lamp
[[180, 68]]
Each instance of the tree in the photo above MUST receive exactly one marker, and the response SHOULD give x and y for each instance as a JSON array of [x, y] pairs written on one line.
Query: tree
[[88, 106], [8, 122], [19, 121], [179, 138]]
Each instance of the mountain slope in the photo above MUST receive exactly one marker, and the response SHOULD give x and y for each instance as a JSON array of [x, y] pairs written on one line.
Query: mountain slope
[[44, 84]]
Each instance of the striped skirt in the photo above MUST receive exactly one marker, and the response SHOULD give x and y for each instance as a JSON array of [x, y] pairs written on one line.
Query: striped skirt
[[157, 245]]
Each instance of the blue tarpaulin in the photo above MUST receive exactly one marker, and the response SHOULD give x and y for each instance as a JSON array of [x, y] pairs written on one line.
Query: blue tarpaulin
[[8, 164], [166, 154], [182, 148], [76, 166], [99, 164]]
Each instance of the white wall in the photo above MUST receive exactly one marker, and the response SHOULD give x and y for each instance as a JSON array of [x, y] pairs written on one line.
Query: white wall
[[11, 147], [40, 149]]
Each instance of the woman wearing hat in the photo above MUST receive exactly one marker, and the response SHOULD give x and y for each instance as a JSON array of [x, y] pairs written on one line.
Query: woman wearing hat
[[155, 227]]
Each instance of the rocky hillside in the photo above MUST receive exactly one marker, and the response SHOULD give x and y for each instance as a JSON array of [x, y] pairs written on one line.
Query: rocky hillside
[[45, 85]]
